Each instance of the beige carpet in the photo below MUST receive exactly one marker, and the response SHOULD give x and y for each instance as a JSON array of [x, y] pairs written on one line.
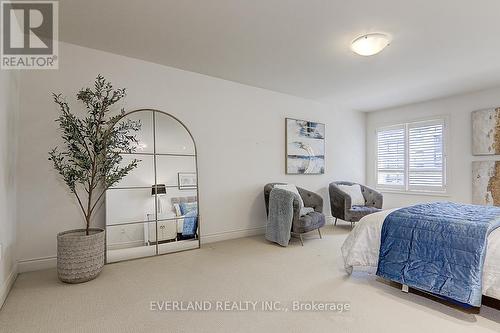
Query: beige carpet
[[242, 269]]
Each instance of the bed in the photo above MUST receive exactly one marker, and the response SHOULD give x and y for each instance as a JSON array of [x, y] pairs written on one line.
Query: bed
[[361, 251]]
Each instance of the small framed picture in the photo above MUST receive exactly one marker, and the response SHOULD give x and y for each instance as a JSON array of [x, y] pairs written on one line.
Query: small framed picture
[[187, 180]]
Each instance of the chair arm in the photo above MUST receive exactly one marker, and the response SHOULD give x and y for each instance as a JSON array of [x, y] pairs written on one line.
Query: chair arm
[[296, 212], [267, 191], [340, 201], [373, 198], [311, 199]]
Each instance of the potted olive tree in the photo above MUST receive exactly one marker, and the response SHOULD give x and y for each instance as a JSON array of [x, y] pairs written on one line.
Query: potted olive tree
[[90, 163]]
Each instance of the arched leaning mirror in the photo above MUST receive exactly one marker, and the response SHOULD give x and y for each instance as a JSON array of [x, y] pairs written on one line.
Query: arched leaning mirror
[[154, 209]]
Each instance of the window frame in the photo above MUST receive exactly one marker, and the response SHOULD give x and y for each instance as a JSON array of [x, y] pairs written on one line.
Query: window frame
[[392, 187], [406, 188]]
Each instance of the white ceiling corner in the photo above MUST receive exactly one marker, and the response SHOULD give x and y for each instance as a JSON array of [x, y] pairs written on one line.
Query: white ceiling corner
[[439, 47]]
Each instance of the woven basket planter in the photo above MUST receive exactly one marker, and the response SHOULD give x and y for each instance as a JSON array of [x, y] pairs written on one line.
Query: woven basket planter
[[80, 257]]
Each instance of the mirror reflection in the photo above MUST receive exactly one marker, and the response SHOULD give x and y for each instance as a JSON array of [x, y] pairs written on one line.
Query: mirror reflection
[[154, 210]]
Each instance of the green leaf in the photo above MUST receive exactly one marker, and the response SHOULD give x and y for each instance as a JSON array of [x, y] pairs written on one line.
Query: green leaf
[[90, 159]]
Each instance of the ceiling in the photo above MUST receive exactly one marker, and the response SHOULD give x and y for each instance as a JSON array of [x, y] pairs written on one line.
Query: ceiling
[[301, 47]]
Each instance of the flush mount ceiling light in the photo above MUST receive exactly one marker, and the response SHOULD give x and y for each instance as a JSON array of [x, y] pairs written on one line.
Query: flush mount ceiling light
[[370, 44]]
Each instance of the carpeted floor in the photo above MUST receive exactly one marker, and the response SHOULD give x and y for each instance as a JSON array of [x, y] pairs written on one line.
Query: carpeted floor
[[248, 269]]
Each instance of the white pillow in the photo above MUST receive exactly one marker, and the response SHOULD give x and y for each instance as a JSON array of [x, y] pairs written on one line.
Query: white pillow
[[354, 192], [291, 188], [177, 209], [180, 222]]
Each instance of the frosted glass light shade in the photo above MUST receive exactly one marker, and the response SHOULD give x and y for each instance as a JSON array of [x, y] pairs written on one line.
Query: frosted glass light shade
[[370, 44]]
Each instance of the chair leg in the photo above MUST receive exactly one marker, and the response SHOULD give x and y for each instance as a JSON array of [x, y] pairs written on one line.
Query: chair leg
[[335, 221], [301, 240], [352, 224], [319, 232]]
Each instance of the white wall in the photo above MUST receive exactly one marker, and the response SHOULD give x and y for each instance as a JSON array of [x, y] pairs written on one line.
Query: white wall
[[458, 109], [239, 131], [8, 114]]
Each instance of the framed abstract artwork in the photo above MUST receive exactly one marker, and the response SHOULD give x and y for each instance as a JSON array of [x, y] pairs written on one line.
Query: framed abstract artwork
[[305, 147], [486, 132], [486, 183], [187, 180]]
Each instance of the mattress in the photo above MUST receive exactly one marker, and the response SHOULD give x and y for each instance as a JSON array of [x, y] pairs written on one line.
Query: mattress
[[361, 251]]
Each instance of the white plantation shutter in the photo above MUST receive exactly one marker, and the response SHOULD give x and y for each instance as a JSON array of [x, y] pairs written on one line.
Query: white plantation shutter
[[426, 155], [391, 156], [411, 157]]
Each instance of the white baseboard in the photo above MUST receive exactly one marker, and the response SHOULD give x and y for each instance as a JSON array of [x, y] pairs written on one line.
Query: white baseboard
[[225, 235], [123, 245], [7, 286], [36, 264]]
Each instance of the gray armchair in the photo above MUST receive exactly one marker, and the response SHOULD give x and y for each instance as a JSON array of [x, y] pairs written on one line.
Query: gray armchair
[[340, 202], [302, 224]]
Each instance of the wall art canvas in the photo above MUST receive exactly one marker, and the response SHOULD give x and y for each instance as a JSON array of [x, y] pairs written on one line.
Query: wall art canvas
[[486, 132], [486, 183], [187, 180], [305, 147]]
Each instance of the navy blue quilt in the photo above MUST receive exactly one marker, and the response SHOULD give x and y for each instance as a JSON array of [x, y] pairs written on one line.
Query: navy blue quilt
[[438, 248]]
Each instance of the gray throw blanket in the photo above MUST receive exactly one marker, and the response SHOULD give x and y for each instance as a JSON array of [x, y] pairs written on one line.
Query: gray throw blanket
[[279, 221]]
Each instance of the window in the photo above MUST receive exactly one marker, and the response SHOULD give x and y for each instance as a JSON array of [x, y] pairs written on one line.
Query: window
[[411, 156]]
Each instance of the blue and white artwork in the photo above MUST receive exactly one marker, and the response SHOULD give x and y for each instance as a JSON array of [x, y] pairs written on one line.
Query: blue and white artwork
[[305, 147]]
